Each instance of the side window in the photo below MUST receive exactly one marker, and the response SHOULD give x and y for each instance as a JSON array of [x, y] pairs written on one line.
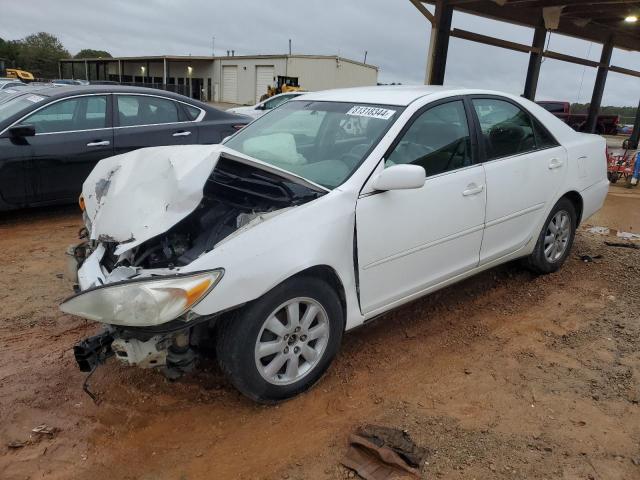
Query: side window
[[192, 112], [82, 113], [506, 129], [437, 140], [143, 110], [543, 137]]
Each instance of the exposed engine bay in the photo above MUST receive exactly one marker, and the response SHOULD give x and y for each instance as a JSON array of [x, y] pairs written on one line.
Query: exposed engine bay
[[234, 197]]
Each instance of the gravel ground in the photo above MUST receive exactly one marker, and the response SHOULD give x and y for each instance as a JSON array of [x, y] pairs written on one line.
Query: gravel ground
[[506, 375]]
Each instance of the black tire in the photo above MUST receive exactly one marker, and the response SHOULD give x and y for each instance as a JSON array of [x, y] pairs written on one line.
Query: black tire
[[239, 333], [538, 261]]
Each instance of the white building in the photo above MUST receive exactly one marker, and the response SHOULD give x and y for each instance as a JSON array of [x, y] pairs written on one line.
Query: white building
[[233, 79]]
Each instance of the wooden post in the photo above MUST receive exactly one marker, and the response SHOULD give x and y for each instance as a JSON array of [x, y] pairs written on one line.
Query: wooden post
[[635, 133], [439, 44], [535, 61], [598, 88]]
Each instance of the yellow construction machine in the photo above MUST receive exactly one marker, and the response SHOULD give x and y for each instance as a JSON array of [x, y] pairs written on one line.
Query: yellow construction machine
[[20, 74], [284, 85]]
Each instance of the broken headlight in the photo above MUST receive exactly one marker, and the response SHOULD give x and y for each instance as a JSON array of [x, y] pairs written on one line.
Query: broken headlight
[[144, 302]]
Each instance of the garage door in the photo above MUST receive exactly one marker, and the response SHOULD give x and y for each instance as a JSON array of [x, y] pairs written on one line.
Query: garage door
[[264, 78], [230, 84]]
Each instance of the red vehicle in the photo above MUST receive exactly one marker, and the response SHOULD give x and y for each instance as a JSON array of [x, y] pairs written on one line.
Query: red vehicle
[[605, 124]]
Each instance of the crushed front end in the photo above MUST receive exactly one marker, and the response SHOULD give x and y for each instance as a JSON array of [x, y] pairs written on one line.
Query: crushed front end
[[144, 226]]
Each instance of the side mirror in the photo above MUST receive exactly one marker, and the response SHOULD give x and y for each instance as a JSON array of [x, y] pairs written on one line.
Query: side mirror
[[400, 177], [21, 131]]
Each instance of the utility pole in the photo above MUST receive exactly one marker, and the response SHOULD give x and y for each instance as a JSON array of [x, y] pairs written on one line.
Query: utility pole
[[213, 46], [365, 57], [289, 46]]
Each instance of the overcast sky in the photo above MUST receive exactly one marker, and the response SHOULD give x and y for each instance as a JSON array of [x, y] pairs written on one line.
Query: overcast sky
[[392, 31]]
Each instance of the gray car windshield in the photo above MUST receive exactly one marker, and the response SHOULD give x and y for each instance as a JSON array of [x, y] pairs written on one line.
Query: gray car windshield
[[323, 142]]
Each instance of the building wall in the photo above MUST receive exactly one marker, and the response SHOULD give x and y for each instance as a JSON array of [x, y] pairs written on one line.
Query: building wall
[[314, 73], [246, 75], [326, 73]]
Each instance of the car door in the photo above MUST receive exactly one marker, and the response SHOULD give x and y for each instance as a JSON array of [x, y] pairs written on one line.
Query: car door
[[15, 170], [411, 240], [525, 166], [72, 135], [150, 121]]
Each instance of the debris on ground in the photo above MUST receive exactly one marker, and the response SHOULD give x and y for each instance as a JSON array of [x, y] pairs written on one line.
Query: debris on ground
[[599, 230], [622, 244], [379, 453], [16, 444], [589, 258], [45, 429]]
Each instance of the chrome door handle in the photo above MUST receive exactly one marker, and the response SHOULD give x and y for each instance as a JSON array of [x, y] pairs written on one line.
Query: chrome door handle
[[184, 133], [472, 189], [99, 143], [555, 163]]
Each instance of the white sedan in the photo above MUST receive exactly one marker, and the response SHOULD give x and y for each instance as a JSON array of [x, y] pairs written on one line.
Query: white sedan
[[337, 207], [259, 109]]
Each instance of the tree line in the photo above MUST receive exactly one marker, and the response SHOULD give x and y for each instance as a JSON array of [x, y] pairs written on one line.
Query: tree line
[[39, 54], [627, 114]]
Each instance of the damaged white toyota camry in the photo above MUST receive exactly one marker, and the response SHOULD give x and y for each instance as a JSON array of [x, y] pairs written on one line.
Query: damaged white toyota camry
[[323, 214]]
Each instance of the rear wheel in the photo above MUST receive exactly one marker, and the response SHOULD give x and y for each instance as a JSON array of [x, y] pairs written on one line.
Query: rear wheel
[[555, 239], [282, 343]]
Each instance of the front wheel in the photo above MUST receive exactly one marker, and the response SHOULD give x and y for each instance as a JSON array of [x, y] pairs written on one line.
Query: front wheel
[[555, 239], [280, 344]]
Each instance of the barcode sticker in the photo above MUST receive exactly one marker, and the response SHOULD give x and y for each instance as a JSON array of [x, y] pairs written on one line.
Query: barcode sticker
[[371, 112]]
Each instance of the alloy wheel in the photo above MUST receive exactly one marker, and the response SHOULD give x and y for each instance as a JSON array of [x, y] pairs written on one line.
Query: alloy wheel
[[292, 341], [556, 237]]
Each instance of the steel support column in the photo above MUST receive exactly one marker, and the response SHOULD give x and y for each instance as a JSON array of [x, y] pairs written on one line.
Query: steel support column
[[598, 88], [635, 133], [439, 44], [535, 61], [86, 70], [164, 73], [120, 71]]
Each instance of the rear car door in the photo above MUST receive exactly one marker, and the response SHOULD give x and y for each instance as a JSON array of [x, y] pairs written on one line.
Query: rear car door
[[72, 135], [149, 121], [525, 167], [411, 240]]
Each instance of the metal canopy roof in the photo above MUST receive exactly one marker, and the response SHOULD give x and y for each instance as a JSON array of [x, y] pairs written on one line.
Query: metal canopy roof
[[594, 20]]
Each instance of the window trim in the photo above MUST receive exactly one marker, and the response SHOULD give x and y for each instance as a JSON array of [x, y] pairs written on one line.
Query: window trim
[[116, 120], [532, 118], [475, 157], [32, 112]]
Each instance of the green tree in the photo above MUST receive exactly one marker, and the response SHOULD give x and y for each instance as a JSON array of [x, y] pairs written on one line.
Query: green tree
[[9, 50], [39, 53], [90, 53]]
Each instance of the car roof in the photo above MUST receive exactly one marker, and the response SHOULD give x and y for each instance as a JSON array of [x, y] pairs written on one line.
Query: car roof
[[401, 95]]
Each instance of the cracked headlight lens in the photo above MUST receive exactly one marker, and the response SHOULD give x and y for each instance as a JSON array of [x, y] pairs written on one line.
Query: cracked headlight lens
[[145, 302]]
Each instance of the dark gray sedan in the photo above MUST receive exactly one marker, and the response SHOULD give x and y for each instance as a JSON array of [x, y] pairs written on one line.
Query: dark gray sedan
[[51, 138]]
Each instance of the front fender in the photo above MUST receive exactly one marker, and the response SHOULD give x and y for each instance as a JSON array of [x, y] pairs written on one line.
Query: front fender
[[317, 233]]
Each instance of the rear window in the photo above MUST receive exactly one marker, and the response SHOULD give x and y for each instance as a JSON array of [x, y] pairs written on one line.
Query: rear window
[[18, 104]]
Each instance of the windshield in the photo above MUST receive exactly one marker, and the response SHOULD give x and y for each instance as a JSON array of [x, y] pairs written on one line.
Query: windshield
[[324, 142], [17, 104]]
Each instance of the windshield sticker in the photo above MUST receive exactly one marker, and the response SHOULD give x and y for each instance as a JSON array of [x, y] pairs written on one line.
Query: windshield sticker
[[371, 112], [35, 98]]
